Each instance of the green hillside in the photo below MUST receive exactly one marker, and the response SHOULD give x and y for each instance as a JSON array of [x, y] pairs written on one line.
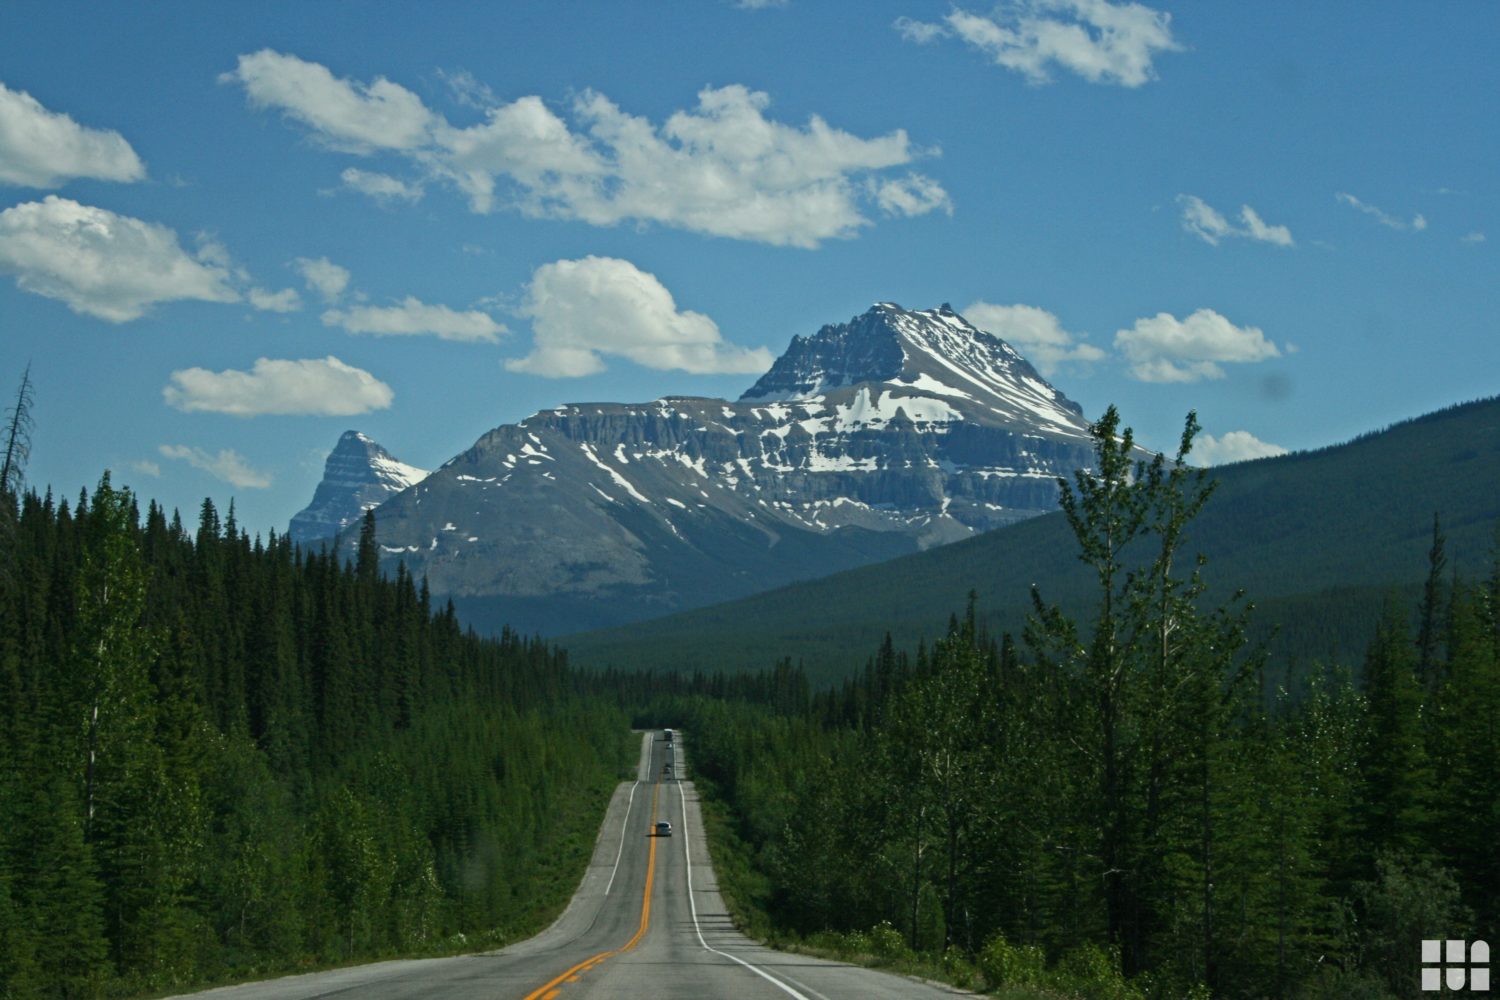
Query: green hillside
[[1316, 539]]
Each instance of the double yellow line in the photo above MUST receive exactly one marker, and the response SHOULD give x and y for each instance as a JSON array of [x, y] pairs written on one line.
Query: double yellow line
[[553, 988]]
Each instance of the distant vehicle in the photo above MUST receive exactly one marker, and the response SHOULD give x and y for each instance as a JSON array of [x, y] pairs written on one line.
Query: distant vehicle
[[668, 734], [663, 829]]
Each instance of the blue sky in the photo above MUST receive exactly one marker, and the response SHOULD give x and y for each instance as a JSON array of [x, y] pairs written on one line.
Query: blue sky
[[229, 233]]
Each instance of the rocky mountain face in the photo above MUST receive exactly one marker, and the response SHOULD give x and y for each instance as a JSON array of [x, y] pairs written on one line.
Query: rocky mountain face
[[358, 475], [894, 432]]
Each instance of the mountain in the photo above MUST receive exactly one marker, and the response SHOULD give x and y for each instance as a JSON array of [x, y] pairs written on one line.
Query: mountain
[[1318, 541], [358, 475], [892, 433]]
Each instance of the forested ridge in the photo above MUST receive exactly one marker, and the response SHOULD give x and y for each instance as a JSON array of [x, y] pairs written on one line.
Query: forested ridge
[[1317, 538], [1126, 806], [222, 757]]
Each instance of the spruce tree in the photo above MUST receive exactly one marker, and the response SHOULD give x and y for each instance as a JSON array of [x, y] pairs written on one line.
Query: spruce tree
[[1395, 777], [1431, 613]]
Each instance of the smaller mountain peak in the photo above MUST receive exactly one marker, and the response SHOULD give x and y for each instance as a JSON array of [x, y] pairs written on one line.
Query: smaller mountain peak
[[358, 475]]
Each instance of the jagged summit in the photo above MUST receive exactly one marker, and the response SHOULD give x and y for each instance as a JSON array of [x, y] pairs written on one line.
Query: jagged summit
[[896, 431], [358, 475], [920, 353]]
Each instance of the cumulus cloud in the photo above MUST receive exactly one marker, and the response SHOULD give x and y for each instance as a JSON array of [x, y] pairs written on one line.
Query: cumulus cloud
[[1235, 446], [1100, 41], [324, 387], [1163, 348], [285, 301], [1205, 222], [323, 276], [344, 115], [228, 465], [44, 149], [381, 187], [102, 264], [721, 168], [583, 309], [1416, 225], [414, 318], [1036, 333]]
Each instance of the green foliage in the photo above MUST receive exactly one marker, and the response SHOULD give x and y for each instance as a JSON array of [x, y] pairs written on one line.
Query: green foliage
[[222, 757], [1006, 964], [1128, 808], [1407, 901]]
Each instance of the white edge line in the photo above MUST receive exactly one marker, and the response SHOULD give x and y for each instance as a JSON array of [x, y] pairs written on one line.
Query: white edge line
[[693, 907], [624, 829]]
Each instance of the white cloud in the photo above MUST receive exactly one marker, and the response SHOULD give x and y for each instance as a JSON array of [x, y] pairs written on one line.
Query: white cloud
[[1163, 348], [582, 309], [1474, 237], [353, 117], [912, 195], [323, 276], [1205, 222], [382, 187], [146, 467], [1036, 333], [1102, 42], [285, 301], [102, 264], [468, 90], [722, 167], [1416, 225], [921, 32], [760, 4], [413, 318], [44, 149], [323, 387], [228, 465], [1235, 446], [1258, 230]]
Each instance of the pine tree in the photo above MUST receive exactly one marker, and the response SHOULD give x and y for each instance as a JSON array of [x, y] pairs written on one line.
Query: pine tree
[[1395, 774], [1431, 613], [1107, 512], [18, 427], [367, 564]]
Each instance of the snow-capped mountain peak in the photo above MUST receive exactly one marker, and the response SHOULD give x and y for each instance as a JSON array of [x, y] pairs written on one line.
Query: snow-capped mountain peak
[[358, 475], [921, 353]]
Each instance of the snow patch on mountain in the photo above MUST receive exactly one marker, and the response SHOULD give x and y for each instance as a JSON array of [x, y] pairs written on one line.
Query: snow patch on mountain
[[358, 476]]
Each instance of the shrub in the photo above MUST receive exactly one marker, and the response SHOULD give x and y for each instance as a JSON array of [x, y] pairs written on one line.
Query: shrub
[[888, 943], [1005, 964], [1094, 972]]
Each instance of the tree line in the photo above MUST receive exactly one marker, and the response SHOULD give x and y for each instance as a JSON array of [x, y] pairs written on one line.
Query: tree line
[[222, 757], [1130, 794]]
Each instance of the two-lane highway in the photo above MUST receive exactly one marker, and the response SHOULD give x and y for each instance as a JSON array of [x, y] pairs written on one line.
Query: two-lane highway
[[647, 921]]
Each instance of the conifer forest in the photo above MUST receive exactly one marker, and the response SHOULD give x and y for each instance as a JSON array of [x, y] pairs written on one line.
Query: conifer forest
[[223, 757]]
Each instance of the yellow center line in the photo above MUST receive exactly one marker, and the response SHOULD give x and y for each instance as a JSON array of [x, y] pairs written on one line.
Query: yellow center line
[[551, 989]]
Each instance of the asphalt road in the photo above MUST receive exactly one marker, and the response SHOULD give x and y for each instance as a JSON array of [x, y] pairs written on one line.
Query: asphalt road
[[647, 921]]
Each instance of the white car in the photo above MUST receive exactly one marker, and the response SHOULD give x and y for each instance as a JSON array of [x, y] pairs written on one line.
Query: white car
[[663, 828]]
